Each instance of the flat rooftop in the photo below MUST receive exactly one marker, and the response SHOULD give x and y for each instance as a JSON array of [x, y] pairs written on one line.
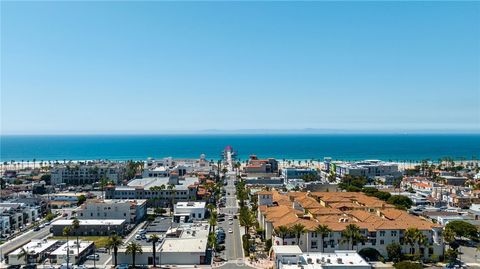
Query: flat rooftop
[[341, 258], [189, 245], [35, 246], [149, 182], [102, 222], [72, 247], [183, 205]]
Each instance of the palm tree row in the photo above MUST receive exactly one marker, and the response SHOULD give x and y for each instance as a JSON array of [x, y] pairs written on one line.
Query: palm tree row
[[351, 235]]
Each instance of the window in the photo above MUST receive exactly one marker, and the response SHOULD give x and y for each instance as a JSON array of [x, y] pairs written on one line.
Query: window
[[314, 244], [382, 242], [393, 233], [382, 233]]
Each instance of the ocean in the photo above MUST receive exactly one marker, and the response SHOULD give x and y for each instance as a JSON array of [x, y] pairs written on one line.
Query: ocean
[[394, 147]]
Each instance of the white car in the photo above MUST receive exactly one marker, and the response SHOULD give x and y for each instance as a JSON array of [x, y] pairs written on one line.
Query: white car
[[230, 230], [93, 257], [138, 237]]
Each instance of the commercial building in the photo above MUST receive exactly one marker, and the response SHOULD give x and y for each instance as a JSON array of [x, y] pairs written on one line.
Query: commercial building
[[291, 257], [87, 173], [162, 190], [90, 227], [75, 253], [189, 211], [379, 223], [133, 211], [182, 245], [36, 251]]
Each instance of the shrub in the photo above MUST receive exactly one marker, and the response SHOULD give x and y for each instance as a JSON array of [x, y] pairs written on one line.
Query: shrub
[[407, 265]]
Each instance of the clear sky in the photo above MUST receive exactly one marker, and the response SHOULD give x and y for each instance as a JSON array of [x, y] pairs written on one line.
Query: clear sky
[[156, 67]]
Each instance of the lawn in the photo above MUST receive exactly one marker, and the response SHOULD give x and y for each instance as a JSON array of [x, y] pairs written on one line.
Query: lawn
[[100, 241]]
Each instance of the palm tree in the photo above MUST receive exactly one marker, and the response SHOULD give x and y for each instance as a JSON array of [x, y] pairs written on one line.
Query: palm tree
[[213, 220], [298, 229], [75, 227], [113, 242], [350, 234], [66, 232], [154, 239], [282, 231], [171, 187], [323, 231], [247, 219], [411, 237], [134, 248], [23, 255]]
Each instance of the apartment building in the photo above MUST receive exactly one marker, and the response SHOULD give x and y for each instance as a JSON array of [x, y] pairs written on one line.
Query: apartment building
[[367, 168], [87, 173], [379, 223], [133, 211], [163, 167], [17, 215], [261, 166], [297, 173]]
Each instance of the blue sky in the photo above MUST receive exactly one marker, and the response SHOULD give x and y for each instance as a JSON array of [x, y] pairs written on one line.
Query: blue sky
[[157, 67]]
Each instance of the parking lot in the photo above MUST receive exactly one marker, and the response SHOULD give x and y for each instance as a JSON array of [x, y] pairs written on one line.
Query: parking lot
[[159, 227]]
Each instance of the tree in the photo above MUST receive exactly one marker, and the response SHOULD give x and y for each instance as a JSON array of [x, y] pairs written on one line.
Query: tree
[[400, 201], [462, 228], [75, 227], [323, 230], [351, 234], [49, 217], [247, 219], [133, 248], [213, 220], [159, 211], [448, 235], [414, 236], [298, 229], [81, 199], [154, 239], [394, 252], [114, 242], [451, 255], [282, 232], [66, 232]]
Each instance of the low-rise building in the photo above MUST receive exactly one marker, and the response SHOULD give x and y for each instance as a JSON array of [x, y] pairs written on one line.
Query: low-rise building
[[297, 173], [182, 245], [261, 166], [69, 250], [368, 169], [36, 251], [133, 211], [91, 227], [189, 211], [292, 257]]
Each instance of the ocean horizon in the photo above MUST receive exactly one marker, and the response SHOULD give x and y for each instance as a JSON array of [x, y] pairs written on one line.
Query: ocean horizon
[[394, 147]]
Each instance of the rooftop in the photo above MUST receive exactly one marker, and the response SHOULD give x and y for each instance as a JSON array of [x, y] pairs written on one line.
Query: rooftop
[[101, 222], [72, 247], [35, 246]]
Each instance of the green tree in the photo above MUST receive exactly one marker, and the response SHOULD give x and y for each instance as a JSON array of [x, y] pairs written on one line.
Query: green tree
[[414, 236], [323, 230], [154, 238], [133, 248], [448, 235], [400, 201], [81, 199], [213, 220], [451, 255], [113, 243], [394, 252], [282, 232], [298, 229], [66, 232], [76, 227], [49, 217], [247, 219], [351, 234], [463, 229]]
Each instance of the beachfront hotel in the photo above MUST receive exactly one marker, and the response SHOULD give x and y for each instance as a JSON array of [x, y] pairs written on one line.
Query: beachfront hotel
[[380, 223]]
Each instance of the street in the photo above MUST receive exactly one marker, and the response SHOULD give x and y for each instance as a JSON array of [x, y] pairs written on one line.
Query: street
[[21, 240]]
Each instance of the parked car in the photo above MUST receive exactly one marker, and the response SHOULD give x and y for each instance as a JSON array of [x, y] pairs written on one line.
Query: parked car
[[122, 266], [138, 237], [102, 250], [36, 228], [93, 257]]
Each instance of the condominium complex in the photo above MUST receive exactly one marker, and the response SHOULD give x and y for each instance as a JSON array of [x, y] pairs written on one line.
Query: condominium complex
[[261, 166], [14, 216], [379, 223], [368, 168], [87, 173]]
